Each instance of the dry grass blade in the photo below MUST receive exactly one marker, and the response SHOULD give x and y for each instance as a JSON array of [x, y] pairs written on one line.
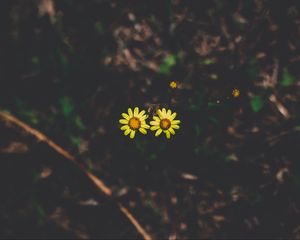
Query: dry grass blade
[[282, 109]]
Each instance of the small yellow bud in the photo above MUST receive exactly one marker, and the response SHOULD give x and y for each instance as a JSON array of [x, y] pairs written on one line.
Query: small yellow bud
[[173, 84], [235, 92]]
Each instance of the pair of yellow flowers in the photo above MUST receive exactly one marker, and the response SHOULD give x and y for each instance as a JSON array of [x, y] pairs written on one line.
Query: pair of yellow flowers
[[136, 121]]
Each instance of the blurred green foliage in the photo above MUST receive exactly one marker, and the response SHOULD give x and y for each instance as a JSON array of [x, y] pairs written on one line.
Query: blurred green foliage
[[27, 112], [75, 126], [168, 63], [209, 61], [287, 78], [67, 106], [252, 68], [257, 103]]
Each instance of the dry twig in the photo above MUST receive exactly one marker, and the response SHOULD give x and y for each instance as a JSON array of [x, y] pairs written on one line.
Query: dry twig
[[8, 118]]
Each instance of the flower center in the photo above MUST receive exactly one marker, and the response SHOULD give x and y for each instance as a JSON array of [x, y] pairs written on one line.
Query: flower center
[[165, 124], [134, 123]]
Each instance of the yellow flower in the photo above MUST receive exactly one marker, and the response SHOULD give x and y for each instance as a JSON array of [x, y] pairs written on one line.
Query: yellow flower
[[164, 122], [235, 92], [173, 84], [134, 121]]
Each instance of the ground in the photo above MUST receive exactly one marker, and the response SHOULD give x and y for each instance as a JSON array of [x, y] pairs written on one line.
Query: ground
[[69, 69]]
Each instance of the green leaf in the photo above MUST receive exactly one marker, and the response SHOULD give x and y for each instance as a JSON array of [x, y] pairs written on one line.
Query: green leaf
[[75, 140], [252, 68], [209, 61], [90, 165], [31, 115], [79, 124], [198, 130], [28, 113], [38, 210], [180, 56], [287, 78], [67, 106], [231, 157], [164, 69], [169, 62], [256, 103]]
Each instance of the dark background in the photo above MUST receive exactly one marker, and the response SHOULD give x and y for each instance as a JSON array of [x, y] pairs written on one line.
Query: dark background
[[69, 68]]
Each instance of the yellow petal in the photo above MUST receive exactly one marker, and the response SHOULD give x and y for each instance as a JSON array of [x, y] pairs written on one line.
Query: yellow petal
[[155, 118], [125, 127], [164, 112], [153, 128], [145, 126], [130, 113], [123, 121], [169, 113], [142, 113], [158, 132], [175, 121], [143, 117], [126, 116], [174, 114], [168, 134], [155, 123], [175, 126], [143, 130], [160, 114], [136, 112], [127, 131], [171, 130], [132, 134]]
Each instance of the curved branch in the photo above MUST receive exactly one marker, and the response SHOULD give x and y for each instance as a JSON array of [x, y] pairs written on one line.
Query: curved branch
[[8, 118]]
